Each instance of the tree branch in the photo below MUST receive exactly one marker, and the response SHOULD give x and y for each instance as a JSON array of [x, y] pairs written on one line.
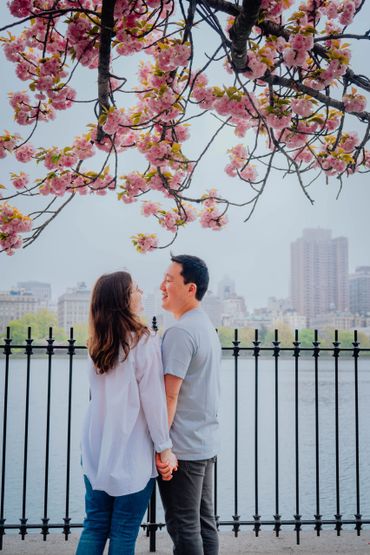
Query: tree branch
[[274, 29], [241, 30], [106, 34], [327, 100]]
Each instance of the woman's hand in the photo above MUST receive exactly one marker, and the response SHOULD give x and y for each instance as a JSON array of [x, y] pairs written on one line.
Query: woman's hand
[[166, 463]]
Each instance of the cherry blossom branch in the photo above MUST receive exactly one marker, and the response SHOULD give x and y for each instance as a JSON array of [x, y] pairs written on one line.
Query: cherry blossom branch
[[327, 100], [106, 34], [38, 230], [240, 31]]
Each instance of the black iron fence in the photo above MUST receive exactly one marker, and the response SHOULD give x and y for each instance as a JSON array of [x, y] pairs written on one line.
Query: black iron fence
[[315, 442]]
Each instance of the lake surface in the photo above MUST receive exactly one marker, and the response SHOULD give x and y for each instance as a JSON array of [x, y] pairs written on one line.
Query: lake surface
[[246, 417]]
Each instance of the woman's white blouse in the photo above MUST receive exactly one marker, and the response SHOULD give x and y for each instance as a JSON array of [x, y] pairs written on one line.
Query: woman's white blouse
[[126, 421]]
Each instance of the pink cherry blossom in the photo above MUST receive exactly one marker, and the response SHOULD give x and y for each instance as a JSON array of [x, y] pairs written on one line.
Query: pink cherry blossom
[[349, 141], [212, 218], [83, 147], [62, 99], [20, 180], [277, 121], [304, 155], [249, 173], [20, 8], [150, 208], [190, 213], [348, 11], [145, 242], [12, 223], [302, 106], [354, 102], [169, 221], [24, 153]]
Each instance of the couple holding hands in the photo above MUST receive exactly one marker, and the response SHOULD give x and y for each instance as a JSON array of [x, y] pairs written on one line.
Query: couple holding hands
[[153, 409]]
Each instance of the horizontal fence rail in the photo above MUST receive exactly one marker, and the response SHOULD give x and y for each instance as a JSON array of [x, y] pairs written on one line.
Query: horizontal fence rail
[[40, 435]]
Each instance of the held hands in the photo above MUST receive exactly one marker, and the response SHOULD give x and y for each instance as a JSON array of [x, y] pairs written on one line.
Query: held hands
[[166, 463]]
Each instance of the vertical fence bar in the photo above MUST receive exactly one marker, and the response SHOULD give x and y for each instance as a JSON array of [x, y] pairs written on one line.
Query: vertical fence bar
[[45, 519], [277, 516], [152, 520], [152, 509], [215, 483], [358, 515], [296, 355], [316, 354], [7, 352], [28, 352], [71, 353], [215, 499], [256, 516], [338, 516], [236, 517]]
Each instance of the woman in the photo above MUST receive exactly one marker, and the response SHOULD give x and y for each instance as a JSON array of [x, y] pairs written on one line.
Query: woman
[[126, 419]]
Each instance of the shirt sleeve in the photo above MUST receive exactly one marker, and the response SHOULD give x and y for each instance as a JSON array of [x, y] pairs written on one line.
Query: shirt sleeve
[[178, 348], [149, 375]]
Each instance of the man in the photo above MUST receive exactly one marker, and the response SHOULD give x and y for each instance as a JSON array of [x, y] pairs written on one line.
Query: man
[[191, 354]]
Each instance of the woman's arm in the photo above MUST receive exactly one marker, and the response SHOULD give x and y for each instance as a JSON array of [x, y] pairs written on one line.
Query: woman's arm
[[149, 374]]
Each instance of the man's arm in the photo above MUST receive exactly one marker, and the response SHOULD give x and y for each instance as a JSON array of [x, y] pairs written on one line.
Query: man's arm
[[172, 386]]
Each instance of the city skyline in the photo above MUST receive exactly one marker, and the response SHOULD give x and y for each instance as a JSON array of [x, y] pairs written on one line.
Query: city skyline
[[323, 291], [216, 277]]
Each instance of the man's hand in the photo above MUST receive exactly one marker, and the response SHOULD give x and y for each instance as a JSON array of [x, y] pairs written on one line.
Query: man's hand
[[166, 463]]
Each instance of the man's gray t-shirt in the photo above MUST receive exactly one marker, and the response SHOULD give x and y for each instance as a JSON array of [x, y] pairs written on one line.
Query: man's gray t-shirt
[[191, 350]]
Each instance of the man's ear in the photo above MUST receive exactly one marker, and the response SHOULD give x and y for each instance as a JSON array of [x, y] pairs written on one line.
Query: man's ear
[[192, 288]]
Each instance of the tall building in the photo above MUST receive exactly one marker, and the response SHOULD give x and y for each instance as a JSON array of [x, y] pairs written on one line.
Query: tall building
[[234, 311], [14, 304], [359, 291], [319, 273], [226, 288], [40, 290], [213, 306], [73, 307]]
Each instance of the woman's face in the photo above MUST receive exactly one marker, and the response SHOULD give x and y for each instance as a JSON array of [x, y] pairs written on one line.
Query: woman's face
[[136, 305]]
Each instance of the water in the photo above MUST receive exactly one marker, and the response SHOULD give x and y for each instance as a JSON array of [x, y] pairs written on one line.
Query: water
[[266, 438]]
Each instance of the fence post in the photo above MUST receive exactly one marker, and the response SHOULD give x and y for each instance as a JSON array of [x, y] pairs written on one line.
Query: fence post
[[236, 348], [28, 352], [256, 354], [71, 353], [7, 353], [276, 354]]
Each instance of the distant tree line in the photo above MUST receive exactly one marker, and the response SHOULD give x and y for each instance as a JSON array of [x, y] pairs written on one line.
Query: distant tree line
[[246, 337], [41, 321]]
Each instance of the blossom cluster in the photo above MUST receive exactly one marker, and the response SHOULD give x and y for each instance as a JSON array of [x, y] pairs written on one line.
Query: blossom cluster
[[145, 242], [12, 224], [212, 217], [239, 164]]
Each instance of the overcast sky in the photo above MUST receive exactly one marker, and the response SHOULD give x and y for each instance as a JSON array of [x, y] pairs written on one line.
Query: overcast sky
[[92, 235]]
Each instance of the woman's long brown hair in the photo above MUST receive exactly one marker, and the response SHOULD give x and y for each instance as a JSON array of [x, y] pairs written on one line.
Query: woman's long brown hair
[[112, 325]]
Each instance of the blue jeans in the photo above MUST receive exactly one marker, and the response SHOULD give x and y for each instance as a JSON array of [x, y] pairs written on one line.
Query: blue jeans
[[116, 518]]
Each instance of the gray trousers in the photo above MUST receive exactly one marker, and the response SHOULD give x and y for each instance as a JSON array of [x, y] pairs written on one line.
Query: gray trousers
[[188, 505]]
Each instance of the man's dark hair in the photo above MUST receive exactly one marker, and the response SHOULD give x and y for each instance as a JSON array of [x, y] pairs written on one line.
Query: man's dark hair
[[194, 270]]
